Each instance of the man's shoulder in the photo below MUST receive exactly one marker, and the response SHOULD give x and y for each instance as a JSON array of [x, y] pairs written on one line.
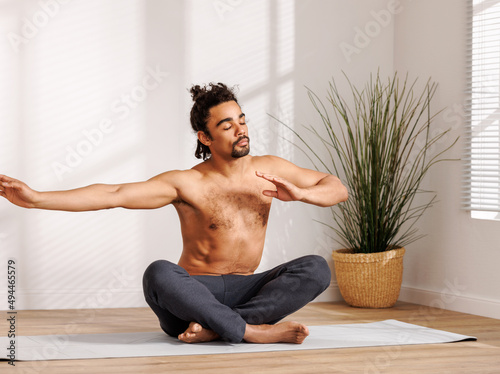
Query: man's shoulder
[[200, 169], [179, 175], [267, 159], [270, 162]]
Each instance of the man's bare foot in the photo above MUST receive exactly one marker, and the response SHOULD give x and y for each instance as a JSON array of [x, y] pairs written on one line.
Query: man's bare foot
[[196, 333], [284, 332]]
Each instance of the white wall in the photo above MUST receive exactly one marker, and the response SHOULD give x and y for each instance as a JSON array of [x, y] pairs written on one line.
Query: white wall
[[456, 266], [80, 65], [97, 92], [76, 65]]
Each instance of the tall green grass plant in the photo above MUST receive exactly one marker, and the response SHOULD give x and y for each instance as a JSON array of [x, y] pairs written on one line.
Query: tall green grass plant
[[382, 142]]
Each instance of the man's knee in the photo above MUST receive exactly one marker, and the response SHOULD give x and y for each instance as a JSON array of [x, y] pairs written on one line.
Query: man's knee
[[318, 270], [158, 267], [158, 273]]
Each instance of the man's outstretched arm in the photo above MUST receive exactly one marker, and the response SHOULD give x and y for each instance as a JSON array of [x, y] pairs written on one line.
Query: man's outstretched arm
[[154, 193]]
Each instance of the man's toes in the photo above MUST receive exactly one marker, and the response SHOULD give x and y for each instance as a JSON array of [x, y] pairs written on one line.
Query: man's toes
[[196, 327], [185, 334], [186, 337]]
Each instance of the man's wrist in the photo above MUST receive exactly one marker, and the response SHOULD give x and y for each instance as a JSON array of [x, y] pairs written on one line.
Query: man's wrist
[[36, 201], [304, 195]]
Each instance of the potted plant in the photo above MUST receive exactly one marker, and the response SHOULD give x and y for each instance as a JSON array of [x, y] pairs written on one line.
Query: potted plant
[[381, 144]]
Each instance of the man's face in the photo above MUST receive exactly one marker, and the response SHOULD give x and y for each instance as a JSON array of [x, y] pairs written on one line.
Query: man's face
[[228, 130]]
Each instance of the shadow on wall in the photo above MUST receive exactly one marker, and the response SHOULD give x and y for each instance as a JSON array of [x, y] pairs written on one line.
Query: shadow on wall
[[96, 92], [83, 84]]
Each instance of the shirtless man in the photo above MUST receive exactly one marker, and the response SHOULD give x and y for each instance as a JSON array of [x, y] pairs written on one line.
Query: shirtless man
[[223, 205]]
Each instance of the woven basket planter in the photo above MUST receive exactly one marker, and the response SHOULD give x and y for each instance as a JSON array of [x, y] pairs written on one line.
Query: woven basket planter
[[369, 280]]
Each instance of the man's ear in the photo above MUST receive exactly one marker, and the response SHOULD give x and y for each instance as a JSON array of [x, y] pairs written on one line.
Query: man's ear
[[204, 138]]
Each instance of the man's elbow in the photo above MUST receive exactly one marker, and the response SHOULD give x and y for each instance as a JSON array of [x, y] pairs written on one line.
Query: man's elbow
[[344, 194], [116, 197], [339, 195], [336, 193]]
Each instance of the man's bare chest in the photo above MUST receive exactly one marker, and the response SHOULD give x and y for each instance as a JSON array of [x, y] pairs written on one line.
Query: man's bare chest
[[221, 209], [230, 209]]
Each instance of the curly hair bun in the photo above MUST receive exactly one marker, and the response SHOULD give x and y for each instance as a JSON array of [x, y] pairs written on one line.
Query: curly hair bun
[[197, 91], [214, 89]]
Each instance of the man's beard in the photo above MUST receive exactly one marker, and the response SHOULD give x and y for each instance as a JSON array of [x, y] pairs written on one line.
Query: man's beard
[[243, 151]]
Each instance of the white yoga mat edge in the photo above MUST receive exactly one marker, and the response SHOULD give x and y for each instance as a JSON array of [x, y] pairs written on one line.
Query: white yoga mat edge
[[149, 344]]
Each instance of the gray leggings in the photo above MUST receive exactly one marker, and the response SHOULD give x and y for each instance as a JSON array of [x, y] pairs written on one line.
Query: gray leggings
[[226, 303]]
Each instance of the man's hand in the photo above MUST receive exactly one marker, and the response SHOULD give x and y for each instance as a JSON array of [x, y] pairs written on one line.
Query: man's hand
[[285, 191], [298, 184], [17, 192]]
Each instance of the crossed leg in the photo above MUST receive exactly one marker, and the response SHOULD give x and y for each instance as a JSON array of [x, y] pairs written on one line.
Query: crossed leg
[[260, 304]]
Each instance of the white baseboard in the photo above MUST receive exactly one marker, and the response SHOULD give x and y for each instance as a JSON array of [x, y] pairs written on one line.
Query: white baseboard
[[451, 301], [133, 298], [77, 299], [441, 300]]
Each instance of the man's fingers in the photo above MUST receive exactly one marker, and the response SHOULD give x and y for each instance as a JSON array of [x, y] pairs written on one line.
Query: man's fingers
[[4, 178], [264, 176], [272, 178], [281, 183], [7, 184], [8, 181], [269, 177], [270, 193]]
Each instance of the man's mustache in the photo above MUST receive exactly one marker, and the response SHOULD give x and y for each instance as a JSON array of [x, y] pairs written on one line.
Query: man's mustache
[[240, 139]]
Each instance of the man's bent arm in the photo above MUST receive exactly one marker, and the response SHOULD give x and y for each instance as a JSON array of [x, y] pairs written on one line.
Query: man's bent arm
[[294, 183], [154, 193], [328, 191]]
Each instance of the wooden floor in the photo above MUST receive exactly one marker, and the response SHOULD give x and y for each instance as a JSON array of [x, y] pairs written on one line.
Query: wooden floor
[[482, 356]]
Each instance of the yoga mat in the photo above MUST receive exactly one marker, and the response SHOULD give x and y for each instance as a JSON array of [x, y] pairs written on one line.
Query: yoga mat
[[142, 344]]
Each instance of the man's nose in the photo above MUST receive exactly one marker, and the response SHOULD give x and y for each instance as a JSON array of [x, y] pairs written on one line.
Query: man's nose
[[240, 130]]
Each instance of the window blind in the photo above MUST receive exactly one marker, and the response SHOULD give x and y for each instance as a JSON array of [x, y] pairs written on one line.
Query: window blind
[[482, 156]]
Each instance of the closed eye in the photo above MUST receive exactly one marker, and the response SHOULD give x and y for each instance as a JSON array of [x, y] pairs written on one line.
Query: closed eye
[[230, 126]]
